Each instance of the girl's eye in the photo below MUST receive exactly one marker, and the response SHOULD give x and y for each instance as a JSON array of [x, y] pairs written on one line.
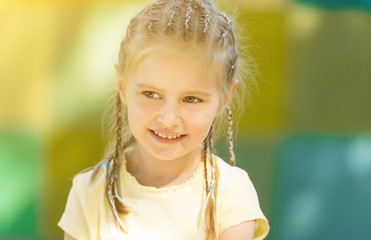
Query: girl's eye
[[191, 99], [151, 94]]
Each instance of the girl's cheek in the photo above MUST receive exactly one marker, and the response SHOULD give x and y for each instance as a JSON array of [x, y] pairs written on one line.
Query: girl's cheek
[[201, 119], [145, 106]]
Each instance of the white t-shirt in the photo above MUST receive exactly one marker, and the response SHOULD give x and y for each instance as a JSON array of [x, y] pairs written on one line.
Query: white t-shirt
[[161, 213]]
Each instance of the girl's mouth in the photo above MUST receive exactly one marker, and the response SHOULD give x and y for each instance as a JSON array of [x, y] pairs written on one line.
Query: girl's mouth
[[162, 138]]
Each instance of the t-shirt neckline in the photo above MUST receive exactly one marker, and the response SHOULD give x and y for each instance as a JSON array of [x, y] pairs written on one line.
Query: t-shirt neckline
[[150, 189]]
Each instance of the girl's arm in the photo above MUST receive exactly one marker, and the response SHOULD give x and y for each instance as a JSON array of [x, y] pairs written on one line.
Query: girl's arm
[[68, 237], [243, 231]]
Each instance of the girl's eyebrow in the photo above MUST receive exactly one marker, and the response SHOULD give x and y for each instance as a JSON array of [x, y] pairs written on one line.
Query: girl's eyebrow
[[143, 85], [191, 92]]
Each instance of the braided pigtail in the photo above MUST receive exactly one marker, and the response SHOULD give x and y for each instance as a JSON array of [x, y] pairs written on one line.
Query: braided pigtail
[[113, 169], [208, 211], [232, 158]]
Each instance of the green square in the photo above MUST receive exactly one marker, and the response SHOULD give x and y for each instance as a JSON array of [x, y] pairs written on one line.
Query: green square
[[19, 165]]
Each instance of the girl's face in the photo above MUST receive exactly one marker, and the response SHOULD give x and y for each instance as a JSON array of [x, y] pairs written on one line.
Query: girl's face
[[172, 102]]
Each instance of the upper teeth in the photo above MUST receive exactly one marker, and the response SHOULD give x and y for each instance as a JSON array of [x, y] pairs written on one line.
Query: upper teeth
[[168, 137]]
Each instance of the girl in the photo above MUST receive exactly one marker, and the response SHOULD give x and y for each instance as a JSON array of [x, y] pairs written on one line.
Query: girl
[[176, 77]]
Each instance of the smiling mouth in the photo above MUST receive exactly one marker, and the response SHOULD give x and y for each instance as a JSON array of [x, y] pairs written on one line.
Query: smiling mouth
[[167, 137]]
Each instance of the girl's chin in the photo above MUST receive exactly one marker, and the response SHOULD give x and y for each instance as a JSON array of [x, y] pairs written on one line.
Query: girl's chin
[[164, 154]]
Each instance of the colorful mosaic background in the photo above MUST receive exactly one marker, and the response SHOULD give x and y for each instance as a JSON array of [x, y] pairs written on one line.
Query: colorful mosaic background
[[306, 140]]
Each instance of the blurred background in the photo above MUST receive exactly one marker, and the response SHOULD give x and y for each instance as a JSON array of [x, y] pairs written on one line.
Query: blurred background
[[305, 142]]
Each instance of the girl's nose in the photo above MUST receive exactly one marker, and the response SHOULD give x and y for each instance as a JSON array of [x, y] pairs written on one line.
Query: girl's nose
[[168, 115]]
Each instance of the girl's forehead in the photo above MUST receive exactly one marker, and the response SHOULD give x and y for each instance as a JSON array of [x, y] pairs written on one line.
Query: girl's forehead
[[174, 70], [181, 56], [173, 63]]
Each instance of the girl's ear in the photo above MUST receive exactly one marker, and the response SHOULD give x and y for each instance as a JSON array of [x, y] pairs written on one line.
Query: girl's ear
[[119, 80], [231, 91], [228, 97]]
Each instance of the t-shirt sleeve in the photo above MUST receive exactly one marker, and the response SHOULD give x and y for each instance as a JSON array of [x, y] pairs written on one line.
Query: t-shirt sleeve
[[73, 220], [239, 203]]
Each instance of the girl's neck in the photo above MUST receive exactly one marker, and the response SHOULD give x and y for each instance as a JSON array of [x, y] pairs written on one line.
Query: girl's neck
[[150, 171]]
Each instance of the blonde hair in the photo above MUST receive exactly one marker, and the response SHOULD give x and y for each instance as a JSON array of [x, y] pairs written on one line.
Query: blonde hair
[[195, 28]]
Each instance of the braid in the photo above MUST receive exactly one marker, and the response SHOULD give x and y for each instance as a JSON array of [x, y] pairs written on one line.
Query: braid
[[227, 38], [113, 169], [113, 161], [232, 67], [207, 149], [149, 15], [154, 22], [204, 158], [118, 125], [173, 14], [232, 158], [205, 20], [131, 28], [188, 22], [227, 28], [209, 207]]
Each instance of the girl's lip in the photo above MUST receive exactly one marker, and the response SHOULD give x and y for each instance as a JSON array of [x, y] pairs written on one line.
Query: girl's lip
[[166, 133], [166, 140]]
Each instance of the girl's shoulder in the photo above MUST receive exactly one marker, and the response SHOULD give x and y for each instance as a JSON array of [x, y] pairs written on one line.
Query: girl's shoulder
[[91, 182], [228, 173], [85, 202], [237, 200], [233, 181]]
